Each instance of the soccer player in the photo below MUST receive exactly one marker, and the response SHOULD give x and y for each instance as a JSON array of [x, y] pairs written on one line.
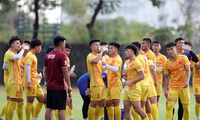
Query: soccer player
[[134, 74], [97, 90], [160, 60], [83, 83], [15, 78], [56, 73], [145, 46], [113, 93], [32, 87], [69, 109], [143, 83], [196, 88], [178, 68], [191, 56]]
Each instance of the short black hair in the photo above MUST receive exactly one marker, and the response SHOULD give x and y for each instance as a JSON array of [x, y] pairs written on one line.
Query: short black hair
[[92, 41], [148, 39], [103, 43], [58, 39], [157, 42], [49, 49], [132, 47], [116, 44], [188, 43], [27, 41], [13, 39], [137, 44], [170, 44], [67, 45], [35, 42], [178, 39]]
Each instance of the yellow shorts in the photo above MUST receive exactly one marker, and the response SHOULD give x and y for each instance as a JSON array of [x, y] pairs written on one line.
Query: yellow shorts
[[7, 89], [152, 90], [132, 95], [97, 93], [196, 89], [159, 90], [36, 90], [144, 92], [183, 94], [16, 91], [113, 93]]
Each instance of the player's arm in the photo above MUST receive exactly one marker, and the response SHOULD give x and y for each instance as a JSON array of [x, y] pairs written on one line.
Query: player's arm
[[112, 68], [5, 66], [137, 79], [186, 83], [153, 72], [45, 74], [197, 65], [19, 55], [194, 57], [166, 84], [96, 59], [67, 79], [28, 76]]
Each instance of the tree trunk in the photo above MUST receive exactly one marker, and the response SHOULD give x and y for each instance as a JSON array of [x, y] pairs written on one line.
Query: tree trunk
[[36, 23], [91, 24]]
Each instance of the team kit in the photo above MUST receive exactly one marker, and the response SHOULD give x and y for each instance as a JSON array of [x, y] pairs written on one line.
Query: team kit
[[139, 78]]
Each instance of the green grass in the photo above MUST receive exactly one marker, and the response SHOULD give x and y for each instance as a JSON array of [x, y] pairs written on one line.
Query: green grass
[[77, 107]]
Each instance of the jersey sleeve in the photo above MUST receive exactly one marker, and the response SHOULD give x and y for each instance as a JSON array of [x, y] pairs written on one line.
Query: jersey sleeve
[[138, 66], [64, 61], [68, 62], [118, 62], [90, 57], [166, 71], [10, 56], [186, 61], [29, 60], [150, 63], [153, 57]]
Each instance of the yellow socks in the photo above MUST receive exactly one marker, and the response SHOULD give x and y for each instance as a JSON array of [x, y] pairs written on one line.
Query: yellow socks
[[20, 110], [186, 109], [38, 108], [10, 110], [102, 114], [70, 112], [149, 115], [67, 111], [98, 112], [154, 111], [146, 118], [170, 107], [136, 116], [56, 114], [117, 112], [197, 110], [28, 111], [3, 110], [32, 109], [110, 113], [91, 111], [8, 102]]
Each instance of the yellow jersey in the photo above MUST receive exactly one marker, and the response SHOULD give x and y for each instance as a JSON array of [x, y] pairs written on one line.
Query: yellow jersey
[[114, 78], [5, 72], [196, 74], [177, 71], [68, 62], [160, 60], [94, 71], [107, 60], [32, 61], [14, 69], [144, 62], [132, 72], [150, 77], [150, 56]]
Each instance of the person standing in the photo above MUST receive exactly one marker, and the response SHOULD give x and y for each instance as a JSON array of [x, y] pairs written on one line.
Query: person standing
[[56, 74]]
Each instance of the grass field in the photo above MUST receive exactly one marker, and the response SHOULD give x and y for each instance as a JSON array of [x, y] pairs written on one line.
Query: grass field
[[77, 107]]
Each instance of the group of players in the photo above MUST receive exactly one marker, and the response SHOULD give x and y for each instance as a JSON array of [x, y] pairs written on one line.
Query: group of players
[[142, 80], [20, 74]]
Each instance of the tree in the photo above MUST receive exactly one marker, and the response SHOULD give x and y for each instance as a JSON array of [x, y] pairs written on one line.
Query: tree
[[34, 6]]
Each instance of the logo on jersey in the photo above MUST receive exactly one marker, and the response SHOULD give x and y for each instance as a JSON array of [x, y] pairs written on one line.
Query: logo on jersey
[[180, 62], [161, 59], [65, 62], [51, 56], [140, 67]]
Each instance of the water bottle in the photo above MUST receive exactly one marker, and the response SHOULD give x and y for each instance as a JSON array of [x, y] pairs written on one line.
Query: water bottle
[[125, 66], [39, 80], [72, 68]]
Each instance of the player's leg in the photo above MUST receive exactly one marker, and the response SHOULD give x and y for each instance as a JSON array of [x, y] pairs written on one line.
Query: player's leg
[[67, 105], [148, 109], [196, 90], [48, 114], [184, 96], [139, 110], [100, 109], [159, 93], [13, 95], [127, 107], [3, 110], [40, 98], [109, 108], [86, 103], [180, 110], [70, 108], [20, 104]]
